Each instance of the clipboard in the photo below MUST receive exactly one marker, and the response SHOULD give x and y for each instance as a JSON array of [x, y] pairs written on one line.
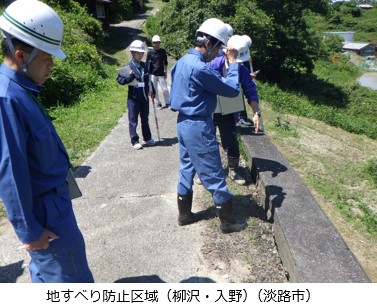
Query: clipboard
[[125, 72], [227, 105]]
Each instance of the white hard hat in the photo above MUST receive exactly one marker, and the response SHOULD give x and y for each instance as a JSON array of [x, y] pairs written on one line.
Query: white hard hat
[[230, 30], [156, 38], [215, 28], [137, 46], [242, 45], [36, 24]]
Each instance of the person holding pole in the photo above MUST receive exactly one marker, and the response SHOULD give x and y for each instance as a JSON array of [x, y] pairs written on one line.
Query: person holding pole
[[138, 81]]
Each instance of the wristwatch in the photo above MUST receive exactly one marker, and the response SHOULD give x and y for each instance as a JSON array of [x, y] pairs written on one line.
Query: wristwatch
[[258, 113]]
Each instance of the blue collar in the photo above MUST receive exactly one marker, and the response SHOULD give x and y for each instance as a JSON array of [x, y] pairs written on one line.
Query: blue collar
[[20, 79], [197, 53]]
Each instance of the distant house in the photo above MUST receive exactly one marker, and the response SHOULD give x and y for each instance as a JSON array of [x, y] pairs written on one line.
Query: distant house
[[365, 6], [99, 9], [360, 48]]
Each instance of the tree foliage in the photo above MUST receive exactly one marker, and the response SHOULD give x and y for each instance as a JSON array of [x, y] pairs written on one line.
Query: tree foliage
[[282, 41]]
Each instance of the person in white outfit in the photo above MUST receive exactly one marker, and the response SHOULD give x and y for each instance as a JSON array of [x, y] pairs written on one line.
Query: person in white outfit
[[158, 59]]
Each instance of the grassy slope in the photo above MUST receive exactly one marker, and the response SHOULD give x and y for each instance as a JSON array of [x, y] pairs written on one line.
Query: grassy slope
[[332, 164]]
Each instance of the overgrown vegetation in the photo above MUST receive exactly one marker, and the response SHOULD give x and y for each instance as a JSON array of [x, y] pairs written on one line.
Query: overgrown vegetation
[[305, 75]]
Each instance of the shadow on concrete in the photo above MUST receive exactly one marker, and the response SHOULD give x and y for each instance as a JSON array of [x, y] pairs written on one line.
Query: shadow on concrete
[[10, 273], [82, 171], [266, 165], [275, 198], [156, 279], [168, 141]]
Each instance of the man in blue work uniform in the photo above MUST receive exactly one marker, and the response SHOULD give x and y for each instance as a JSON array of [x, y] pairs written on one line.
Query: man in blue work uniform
[[33, 161], [193, 95]]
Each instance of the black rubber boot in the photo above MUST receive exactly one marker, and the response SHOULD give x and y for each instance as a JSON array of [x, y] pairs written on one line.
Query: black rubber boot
[[228, 222], [186, 217]]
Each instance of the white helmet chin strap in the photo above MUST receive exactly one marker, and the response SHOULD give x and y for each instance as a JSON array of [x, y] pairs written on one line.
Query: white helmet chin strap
[[33, 53]]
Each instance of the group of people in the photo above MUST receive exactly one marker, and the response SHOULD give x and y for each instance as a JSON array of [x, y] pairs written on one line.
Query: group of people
[[34, 163]]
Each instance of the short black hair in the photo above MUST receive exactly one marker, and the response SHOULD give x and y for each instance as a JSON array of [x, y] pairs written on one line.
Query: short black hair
[[17, 44], [200, 42]]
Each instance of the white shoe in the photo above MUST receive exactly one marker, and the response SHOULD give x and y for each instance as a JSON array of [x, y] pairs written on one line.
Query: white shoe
[[244, 122], [236, 177], [197, 181], [151, 142], [137, 146]]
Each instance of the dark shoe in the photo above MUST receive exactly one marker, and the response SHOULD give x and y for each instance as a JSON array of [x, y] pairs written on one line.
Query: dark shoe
[[228, 222], [186, 217]]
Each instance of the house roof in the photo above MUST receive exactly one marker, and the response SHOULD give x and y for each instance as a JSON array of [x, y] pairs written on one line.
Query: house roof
[[355, 45], [365, 6]]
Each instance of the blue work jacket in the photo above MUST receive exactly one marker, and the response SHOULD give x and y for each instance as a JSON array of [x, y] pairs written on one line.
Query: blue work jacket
[[195, 85], [33, 159], [141, 76], [248, 86]]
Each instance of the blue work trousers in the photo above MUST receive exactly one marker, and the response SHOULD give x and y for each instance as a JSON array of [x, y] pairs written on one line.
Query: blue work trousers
[[136, 108], [199, 153], [64, 261], [228, 133]]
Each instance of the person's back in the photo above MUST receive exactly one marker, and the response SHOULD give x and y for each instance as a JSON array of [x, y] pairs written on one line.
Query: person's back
[[193, 95]]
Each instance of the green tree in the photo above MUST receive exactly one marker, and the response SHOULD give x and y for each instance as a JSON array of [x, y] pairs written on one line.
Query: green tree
[[282, 41]]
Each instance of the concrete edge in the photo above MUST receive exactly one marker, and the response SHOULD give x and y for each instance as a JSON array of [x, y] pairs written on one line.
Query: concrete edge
[[310, 247]]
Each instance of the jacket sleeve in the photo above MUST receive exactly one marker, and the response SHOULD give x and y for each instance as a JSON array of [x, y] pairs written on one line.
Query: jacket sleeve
[[15, 182], [248, 85], [215, 83], [125, 80]]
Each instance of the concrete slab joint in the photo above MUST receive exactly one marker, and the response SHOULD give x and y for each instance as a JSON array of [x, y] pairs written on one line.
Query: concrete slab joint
[[310, 247]]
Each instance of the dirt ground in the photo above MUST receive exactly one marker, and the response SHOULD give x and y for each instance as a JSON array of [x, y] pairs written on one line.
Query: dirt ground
[[249, 256]]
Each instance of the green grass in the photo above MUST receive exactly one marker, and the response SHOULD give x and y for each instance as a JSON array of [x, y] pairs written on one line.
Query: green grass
[[349, 184], [84, 125], [331, 94]]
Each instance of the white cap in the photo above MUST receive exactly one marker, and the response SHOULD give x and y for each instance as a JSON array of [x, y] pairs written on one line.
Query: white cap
[[242, 45], [156, 38]]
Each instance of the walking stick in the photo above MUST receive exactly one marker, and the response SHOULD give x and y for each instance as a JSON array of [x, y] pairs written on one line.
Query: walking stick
[[155, 118]]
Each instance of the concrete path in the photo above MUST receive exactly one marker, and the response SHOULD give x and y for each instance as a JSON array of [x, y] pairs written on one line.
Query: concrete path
[[128, 213]]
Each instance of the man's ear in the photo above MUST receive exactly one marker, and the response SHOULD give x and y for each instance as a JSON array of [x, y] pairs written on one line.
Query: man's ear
[[20, 56]]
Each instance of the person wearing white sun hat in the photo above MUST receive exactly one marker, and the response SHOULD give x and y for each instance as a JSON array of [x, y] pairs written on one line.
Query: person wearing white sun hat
[[139, 89], [33, 161], [226, 122], [158, 58]]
